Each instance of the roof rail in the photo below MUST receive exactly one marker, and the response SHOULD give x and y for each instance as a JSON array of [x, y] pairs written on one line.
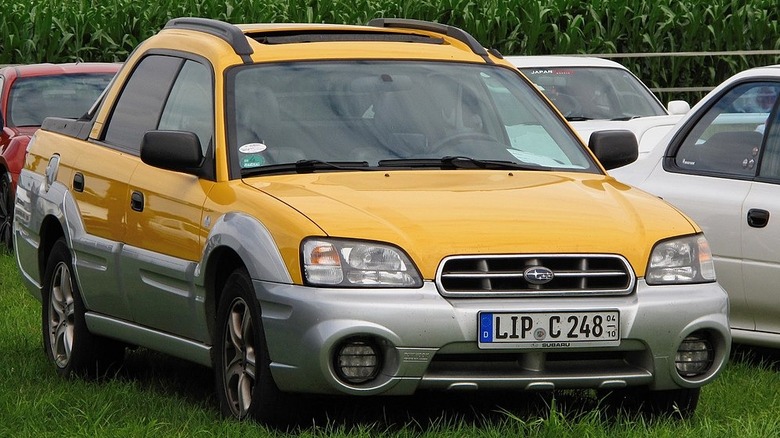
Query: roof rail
[[451, 31], [226, 31]]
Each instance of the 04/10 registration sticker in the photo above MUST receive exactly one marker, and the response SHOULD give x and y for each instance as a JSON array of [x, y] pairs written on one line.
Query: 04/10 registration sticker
[[549, 329]]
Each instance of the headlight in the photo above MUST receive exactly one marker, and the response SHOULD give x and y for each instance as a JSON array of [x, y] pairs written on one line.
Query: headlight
[[353, 263], [681, 260]]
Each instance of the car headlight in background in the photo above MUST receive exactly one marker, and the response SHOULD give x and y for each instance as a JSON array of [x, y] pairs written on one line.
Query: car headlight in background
[[354, 263], [681, 260]]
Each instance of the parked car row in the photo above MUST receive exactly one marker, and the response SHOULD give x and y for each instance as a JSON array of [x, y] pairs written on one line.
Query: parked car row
[[358, 211], [29, 94]]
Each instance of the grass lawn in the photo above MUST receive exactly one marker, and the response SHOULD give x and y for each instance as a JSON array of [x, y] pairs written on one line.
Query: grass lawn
[[158, 396]]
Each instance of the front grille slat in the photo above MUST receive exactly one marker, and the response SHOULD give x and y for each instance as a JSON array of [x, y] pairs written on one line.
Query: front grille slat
[[505, 275], [591, 274]]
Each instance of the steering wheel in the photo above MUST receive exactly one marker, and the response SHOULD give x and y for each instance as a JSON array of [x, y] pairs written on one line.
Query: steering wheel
[[566, 104], [461, 137]]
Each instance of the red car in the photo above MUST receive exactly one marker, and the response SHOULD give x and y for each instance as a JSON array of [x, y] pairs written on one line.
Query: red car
[[29, 94]]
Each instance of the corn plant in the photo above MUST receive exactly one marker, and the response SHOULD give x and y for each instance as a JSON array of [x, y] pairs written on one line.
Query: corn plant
[[107, 30]]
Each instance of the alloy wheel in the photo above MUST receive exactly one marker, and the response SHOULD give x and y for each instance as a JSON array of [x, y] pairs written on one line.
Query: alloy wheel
[[61, 315], [239, 358]]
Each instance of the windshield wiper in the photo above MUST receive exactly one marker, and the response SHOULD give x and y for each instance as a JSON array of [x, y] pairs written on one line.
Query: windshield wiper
[[458, 162], [578, 118], [626, 118], [306, 166]]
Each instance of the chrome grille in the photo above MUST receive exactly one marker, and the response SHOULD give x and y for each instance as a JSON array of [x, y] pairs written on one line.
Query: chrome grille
[[505, 275]]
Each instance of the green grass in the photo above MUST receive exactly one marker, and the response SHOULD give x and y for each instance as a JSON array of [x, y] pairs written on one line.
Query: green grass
[[158, 396]]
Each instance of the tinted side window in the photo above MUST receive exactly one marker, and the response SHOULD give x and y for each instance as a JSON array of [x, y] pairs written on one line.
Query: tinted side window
[[727, 140], [189, 106], [140, 105]]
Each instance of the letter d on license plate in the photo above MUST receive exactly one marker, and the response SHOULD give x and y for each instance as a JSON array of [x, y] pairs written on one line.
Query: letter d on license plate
[[549, 329]]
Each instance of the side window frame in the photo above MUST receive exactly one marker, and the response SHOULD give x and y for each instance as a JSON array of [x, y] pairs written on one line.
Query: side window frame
[[2, 111], [169, 115], [114, 137], [209, 164], [769, 163]]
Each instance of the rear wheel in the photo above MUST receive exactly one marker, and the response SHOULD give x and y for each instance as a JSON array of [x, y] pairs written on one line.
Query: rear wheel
[[6, 211], [66, 338], [245, 388]]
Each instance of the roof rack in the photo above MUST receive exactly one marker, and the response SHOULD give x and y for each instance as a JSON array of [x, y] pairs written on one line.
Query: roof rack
[[240, 44], [451, 31], [226, 31]]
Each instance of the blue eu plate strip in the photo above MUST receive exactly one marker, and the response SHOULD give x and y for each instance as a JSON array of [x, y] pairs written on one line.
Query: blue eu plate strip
[[486, 327]]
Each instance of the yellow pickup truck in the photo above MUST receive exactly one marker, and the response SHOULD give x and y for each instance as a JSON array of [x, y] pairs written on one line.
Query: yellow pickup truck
[[358, 211]]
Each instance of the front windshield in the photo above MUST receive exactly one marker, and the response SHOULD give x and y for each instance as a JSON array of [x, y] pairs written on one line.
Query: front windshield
[[373, 112], [595, 93], [32, 99]]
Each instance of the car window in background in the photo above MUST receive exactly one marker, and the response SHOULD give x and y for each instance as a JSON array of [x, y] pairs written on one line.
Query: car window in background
[[727, 139], [32, 99], [587, 93]]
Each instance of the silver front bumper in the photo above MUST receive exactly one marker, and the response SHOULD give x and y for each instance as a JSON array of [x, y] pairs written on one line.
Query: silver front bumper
[[430, 342]]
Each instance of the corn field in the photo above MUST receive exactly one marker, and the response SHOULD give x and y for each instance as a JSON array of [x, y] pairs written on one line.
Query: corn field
[[107, 30]]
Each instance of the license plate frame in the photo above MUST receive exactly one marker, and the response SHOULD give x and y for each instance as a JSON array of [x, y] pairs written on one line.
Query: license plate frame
[[544, 329]]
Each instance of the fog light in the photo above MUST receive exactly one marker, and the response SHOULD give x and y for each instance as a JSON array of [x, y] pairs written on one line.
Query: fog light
[[357, 361], [694, 357]]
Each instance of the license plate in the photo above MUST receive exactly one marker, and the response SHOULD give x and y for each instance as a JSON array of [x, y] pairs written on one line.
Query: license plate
[[549, 329]]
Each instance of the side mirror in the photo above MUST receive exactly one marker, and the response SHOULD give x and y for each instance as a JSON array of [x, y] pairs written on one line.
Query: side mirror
[[678, 107], [614, 148], [178, 151]]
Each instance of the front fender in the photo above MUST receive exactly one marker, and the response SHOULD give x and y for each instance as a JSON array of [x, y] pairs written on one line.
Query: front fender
[[253, 243]]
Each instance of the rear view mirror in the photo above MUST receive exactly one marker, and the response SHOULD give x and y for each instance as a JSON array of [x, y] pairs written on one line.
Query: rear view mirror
[[678, 107], [178, 151]]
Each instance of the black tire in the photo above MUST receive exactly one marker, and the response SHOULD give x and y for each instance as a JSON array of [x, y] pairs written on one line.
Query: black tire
[[66, 338], [676, 403], [245, 387], [6, 211]]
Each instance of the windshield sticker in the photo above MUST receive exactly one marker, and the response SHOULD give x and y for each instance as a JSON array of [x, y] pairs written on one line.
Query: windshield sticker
[[252, 160], [252, 148]]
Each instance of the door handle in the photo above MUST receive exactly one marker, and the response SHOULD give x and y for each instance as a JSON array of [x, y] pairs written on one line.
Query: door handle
[[137, 201], [78, 182], [757, 218]]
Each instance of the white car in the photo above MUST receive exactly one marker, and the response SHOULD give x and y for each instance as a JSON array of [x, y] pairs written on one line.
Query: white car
[[596, 94], [721, 166]]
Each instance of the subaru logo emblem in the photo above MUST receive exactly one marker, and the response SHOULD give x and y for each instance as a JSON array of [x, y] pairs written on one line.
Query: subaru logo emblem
[[538, 275]]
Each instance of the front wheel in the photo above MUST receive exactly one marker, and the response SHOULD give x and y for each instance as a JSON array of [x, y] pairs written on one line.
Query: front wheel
[[66, 338], [245, 387]]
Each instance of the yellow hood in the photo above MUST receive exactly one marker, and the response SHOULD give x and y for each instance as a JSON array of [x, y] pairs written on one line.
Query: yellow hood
[[432, 214]]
